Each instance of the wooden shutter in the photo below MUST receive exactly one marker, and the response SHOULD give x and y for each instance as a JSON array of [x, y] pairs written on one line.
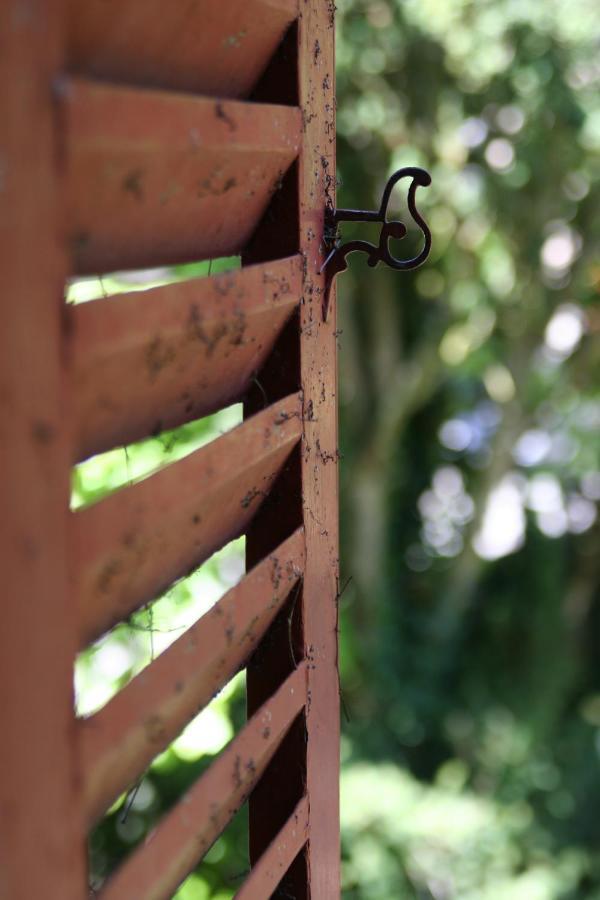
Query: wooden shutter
[[139, 134]]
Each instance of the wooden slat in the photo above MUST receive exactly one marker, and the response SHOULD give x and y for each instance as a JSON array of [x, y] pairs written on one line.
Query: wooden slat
[[157, 178], [42, 839], [119, 742], [276, 860], [186, 833], [151, 360], [135, 543], [211, 48]]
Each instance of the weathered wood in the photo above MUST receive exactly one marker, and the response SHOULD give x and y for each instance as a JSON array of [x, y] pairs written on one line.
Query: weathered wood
[[183, 837], [276, 860], [217, 49], [97, 177], [42, 850], [156, 178], [318, 366], [120, 741], [134, 544], [148, 361], [317, 876]]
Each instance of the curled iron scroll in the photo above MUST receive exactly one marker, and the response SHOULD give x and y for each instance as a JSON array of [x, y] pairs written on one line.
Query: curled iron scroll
[[336, 261]]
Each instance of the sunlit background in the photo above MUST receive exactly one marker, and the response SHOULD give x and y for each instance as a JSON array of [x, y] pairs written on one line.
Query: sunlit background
[[470, 478]]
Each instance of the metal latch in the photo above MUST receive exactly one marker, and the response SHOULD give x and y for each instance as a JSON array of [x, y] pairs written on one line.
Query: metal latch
[[336, 260]]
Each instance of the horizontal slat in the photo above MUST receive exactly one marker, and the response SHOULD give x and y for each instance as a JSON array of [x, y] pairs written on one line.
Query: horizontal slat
[[276, 860], [119, 742], [147, 361], [131, 546], [156, 178], [183, 837], [209, 48]]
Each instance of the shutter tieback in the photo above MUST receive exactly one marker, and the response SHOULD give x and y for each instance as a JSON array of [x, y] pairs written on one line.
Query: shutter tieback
[[336, 260]]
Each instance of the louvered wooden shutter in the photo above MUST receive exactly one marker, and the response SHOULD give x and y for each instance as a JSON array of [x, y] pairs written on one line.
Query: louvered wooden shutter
[[139, 134]]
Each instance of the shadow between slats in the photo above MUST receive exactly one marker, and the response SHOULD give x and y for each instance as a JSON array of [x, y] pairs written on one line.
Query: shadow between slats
[[278, 857]]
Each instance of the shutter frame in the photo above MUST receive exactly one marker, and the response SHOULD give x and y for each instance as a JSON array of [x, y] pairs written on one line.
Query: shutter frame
[[102, 122]]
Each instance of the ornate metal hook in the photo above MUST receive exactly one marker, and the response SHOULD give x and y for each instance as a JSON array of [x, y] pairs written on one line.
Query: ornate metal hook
[[336, 260]]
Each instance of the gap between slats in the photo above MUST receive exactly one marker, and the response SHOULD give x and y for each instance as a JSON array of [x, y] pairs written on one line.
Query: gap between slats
[[278, 857], [119, 742], [220, 49], [155, 178], [183, 837], [145, 362], [134, 544]]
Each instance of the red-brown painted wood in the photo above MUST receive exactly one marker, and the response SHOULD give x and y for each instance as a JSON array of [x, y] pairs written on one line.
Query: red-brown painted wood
[[42, 851], [120, 741], [315, 753], [134, 544], [182, 838], [148, 361], [318, 366], [156, 178], [113, 177], [276, 860], [219, 49]]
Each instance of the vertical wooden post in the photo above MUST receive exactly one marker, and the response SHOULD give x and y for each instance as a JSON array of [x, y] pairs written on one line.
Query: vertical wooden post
[[318, 369], [41, 835], [309, 759]]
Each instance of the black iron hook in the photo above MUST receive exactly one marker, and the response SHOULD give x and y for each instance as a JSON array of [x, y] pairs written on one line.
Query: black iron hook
[[336, 260]]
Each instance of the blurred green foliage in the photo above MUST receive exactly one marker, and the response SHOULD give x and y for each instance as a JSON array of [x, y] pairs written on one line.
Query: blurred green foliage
[[470, 418], [470, 476]]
